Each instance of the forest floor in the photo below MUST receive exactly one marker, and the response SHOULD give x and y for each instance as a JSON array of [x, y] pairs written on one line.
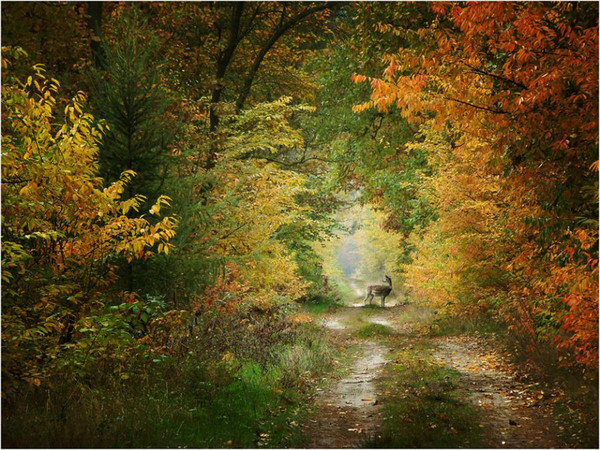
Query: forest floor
[[398, 386]]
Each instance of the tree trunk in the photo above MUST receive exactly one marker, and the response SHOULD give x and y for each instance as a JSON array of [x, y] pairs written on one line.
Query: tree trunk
[[94, 24]]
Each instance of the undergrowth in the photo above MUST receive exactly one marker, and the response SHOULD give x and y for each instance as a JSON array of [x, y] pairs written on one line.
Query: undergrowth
[[449, 326], [235, 386], [323, 302]]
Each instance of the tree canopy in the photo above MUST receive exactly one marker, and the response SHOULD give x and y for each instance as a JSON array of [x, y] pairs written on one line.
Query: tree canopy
[[177, 177]]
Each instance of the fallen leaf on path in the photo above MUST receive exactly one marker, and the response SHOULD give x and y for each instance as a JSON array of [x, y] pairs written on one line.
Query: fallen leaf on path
[[367, 399]]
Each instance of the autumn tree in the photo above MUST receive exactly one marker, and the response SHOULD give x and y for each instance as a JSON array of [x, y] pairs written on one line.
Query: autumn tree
[[253, 52], [520, 79], [367, 153], [129, 92], [61, 228], [56, 33]]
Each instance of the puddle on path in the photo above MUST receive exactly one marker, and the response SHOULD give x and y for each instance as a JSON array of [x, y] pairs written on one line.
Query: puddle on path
[[381, 321], [358, 386]]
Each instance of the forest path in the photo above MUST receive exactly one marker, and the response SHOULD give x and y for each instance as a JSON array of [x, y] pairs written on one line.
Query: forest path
[[513, 412], [349, 410]]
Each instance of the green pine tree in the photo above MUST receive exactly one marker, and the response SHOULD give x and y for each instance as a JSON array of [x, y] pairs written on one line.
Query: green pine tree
[[128, 91]]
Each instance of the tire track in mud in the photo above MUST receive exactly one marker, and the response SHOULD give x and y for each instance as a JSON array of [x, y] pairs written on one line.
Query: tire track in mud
[[492, 387], [349, 411]]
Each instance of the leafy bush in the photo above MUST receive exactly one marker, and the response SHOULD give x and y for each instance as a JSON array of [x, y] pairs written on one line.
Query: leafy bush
[[61, 234]]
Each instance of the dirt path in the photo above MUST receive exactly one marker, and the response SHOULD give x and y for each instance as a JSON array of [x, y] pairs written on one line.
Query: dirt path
[[513, 415], [349, 409]]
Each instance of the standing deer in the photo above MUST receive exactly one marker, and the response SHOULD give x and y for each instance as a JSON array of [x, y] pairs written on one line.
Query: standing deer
[[380, 290]]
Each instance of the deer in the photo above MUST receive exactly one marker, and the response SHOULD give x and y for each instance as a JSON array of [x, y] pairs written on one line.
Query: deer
[[380, 290]]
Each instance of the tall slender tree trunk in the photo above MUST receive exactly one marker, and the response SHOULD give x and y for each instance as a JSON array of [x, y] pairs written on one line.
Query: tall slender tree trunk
[[94, 23]]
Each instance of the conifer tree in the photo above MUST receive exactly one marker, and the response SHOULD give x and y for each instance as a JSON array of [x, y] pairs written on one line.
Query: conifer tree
[[129, 93]]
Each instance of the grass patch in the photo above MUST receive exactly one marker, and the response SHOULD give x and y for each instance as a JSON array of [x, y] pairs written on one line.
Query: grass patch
[[368, 330], [423, 407], [371, 306], [251, 410]]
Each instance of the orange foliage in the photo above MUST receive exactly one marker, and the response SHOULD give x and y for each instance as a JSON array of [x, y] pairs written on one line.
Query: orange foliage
[[518, 83]]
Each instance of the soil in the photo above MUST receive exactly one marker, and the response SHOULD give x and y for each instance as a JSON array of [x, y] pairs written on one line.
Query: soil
[[348, 410]]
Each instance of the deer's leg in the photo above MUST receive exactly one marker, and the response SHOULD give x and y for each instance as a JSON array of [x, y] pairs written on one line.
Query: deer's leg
[[383, 301]]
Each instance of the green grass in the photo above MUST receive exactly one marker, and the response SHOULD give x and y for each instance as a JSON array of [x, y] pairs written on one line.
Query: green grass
[[368, 330], [371, 306], [197, 403], [424, 407], [244, 413]]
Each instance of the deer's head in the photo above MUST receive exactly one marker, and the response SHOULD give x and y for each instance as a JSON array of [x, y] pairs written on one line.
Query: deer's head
[[388, 279]]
